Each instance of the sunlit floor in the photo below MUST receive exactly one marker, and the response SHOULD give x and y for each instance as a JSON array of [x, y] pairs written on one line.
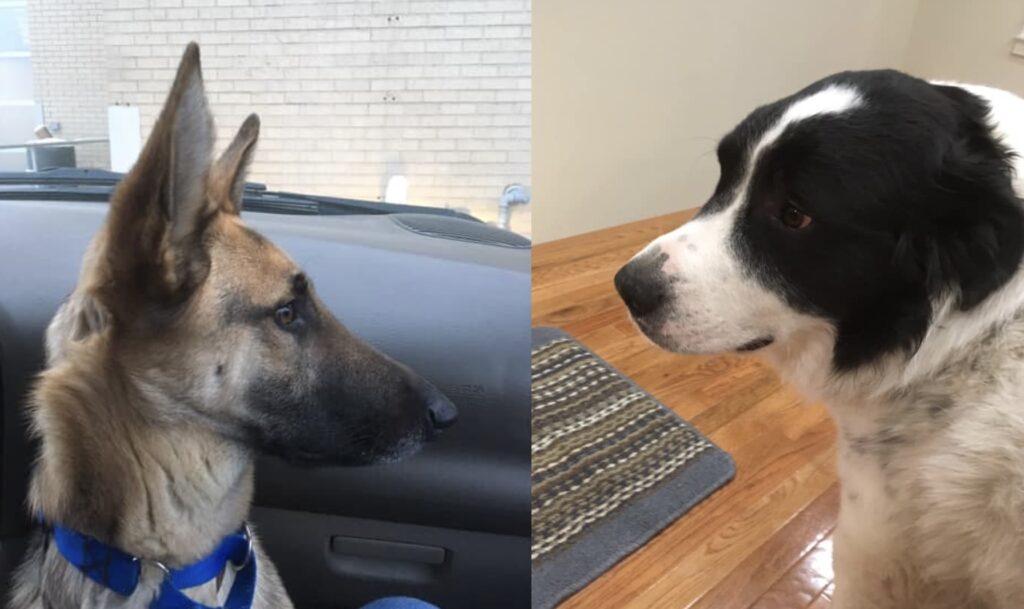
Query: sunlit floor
[[765, 539]]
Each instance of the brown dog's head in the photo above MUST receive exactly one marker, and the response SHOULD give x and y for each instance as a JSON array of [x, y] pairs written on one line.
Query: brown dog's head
[[213, 323]]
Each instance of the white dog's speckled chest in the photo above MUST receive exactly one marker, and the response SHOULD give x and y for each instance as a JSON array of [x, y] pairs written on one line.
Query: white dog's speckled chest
[[932, 483]]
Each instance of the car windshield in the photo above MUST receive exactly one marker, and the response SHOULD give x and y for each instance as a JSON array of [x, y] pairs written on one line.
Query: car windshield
[[365, 107]]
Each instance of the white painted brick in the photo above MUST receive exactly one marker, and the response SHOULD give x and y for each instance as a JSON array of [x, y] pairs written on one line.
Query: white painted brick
[[519, 17], [165, 25], [504, 32], [232, 25], [518, 95], [444, 46], [484, 19], [322, 75]]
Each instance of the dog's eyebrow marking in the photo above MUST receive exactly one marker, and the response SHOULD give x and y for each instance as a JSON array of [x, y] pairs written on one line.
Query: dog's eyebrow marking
[[300, 284], [740, 150], [833, 99]]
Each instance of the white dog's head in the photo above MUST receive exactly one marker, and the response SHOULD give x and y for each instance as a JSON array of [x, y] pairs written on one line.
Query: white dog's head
[[849, 209]]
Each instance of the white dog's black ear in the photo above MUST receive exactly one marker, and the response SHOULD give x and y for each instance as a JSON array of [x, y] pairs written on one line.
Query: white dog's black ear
[[974, 242], [227, 180], [160, 210]]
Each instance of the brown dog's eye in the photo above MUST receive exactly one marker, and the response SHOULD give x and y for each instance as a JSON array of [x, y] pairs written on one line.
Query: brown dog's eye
[[285, 314], [794, 218]]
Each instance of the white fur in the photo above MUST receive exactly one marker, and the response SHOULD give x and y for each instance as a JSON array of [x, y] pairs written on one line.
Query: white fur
[[932, 509]]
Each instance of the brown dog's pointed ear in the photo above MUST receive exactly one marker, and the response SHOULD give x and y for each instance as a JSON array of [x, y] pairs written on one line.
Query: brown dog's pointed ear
[[227, 180], [186, 128], [160, 210]]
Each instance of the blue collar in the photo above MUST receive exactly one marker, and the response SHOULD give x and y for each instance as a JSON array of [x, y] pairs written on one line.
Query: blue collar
[[120, 572]]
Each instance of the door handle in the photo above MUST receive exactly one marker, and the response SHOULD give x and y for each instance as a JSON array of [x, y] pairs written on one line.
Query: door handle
[[387, 550], [391, 561]]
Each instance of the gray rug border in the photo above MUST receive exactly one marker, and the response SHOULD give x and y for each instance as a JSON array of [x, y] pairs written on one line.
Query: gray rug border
[[570, 570]]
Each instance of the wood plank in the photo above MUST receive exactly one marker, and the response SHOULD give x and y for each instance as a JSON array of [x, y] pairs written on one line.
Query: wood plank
[[803, 583], [764, 534], [767, 564]]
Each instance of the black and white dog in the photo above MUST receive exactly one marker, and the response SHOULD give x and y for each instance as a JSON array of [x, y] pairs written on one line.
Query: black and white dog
[[866, 238]]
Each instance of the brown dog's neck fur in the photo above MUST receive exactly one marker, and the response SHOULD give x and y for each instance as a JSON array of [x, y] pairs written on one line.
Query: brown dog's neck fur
[[111, 467]]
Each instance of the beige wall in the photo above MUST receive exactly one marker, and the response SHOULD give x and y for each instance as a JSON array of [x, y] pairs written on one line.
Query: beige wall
[[631, 97], [969, 42]]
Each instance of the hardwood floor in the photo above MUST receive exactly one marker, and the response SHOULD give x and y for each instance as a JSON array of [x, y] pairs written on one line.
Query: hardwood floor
[[764, 540]]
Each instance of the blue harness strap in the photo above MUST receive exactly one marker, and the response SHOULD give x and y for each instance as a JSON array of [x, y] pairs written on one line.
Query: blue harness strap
[[98, 561], [120, 571]]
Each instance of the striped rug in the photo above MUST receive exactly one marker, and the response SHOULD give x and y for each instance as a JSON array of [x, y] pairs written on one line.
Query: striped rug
[[611, 466]]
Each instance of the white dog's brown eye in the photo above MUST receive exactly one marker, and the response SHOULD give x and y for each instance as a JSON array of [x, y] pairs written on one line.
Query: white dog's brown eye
[[285, 314], [794, 218]]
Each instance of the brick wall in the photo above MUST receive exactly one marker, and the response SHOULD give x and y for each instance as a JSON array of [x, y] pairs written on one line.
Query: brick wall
[[69, 70], [349, 92]]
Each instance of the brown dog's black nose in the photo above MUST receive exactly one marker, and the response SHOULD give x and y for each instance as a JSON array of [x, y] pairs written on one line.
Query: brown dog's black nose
[[642, 285], [441, 413]]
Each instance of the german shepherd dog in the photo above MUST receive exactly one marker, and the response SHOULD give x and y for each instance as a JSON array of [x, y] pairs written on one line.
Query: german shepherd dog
[[190, 344]]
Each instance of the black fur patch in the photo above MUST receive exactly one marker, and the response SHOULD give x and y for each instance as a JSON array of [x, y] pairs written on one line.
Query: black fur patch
[[361, 409]]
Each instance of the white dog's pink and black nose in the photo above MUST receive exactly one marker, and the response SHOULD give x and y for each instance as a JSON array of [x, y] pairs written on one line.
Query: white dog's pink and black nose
[[643, 286]]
